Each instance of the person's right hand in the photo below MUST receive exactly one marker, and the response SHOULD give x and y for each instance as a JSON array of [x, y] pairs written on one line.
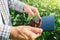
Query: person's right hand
[[25, 33]]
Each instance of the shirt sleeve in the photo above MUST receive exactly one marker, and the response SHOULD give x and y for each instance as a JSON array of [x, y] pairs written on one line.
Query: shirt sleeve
[[4, 32], [16, 5]]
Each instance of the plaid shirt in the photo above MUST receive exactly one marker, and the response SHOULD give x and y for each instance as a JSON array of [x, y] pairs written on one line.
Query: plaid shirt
[[4, 12]]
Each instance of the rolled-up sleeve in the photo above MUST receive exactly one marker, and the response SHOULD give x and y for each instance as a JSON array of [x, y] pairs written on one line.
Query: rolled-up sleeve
[[16, 5], [4, 32]]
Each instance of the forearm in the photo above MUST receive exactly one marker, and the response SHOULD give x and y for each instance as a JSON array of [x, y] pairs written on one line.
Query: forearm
[[4, 32], [16, 5]]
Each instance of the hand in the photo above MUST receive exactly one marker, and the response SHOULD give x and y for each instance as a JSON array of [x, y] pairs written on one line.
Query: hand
[[31, 11], [25, 33]]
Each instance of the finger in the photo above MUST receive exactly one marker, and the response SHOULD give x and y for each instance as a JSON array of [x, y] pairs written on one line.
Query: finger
[[40, 21], [30, 34], [31, 14], [38, 15], [35, 11], [22, 38], [28, 10], [36, 30]]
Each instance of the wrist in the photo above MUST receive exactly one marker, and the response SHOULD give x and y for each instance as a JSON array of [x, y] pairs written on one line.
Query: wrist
[[21, 8], [11, 33], [26, 8]]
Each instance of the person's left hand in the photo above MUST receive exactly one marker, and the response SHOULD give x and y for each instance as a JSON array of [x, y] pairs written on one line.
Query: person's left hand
[[31, 11], [25, 33]]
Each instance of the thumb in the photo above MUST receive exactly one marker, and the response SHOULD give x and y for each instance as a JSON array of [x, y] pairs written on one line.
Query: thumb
[[31, 14]]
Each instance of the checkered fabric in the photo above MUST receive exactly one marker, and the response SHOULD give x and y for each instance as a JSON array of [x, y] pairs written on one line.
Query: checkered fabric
[[5, 16]]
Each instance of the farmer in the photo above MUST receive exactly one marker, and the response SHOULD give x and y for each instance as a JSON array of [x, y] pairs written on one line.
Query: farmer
[[19, 32]]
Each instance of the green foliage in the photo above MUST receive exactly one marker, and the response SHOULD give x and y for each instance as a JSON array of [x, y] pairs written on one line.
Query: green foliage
[[45, 8]]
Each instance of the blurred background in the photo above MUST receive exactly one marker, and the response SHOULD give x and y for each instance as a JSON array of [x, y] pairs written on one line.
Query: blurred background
[[45, 8]]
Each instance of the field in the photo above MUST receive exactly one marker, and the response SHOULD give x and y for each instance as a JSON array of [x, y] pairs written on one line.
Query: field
[[45, 8]]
